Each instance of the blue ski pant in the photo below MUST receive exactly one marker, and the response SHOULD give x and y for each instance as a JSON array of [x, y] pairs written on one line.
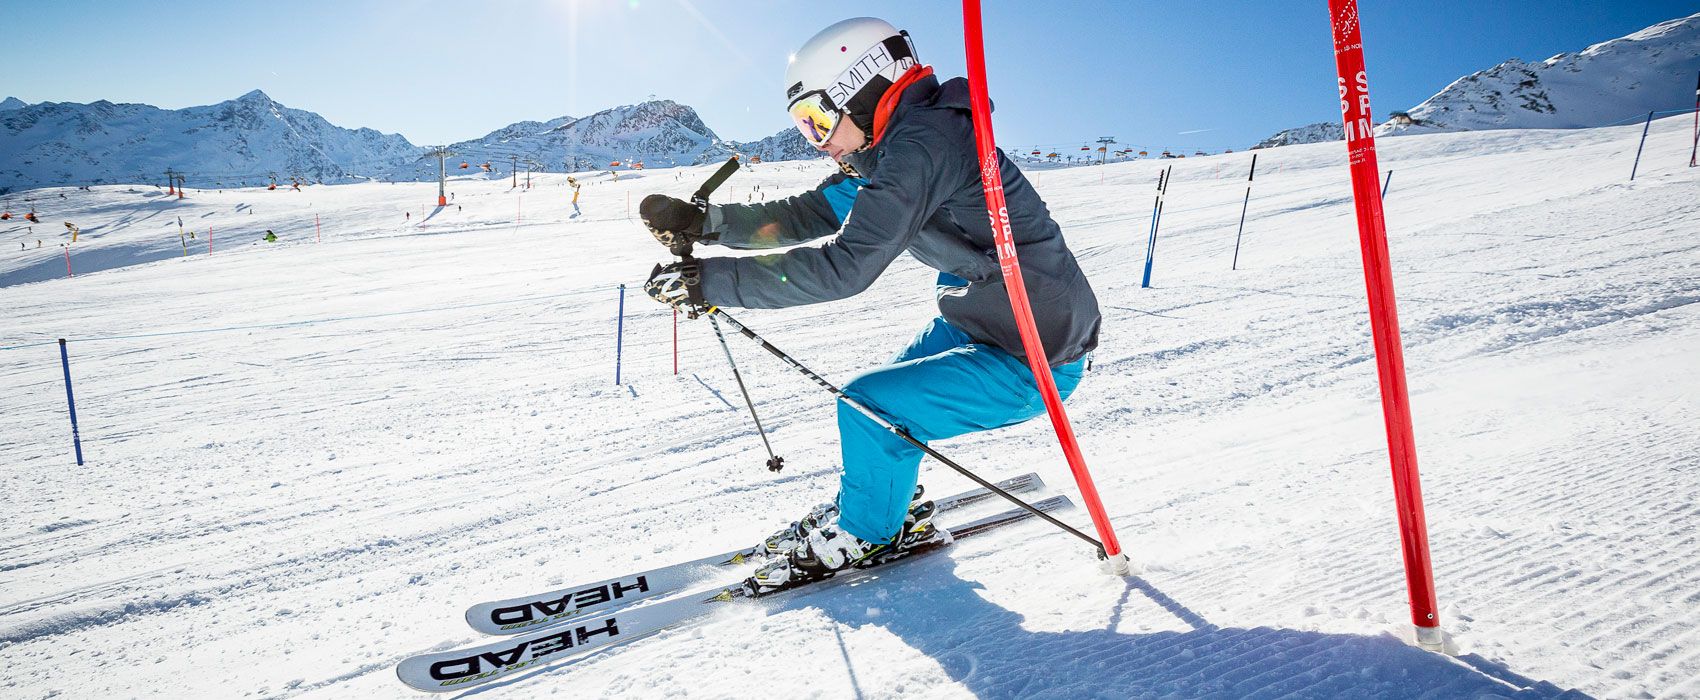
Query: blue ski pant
[[942, 385]]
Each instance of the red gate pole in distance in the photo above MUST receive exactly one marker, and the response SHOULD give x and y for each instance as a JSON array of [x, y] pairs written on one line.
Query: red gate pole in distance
[[992, 180], [1384, 320]]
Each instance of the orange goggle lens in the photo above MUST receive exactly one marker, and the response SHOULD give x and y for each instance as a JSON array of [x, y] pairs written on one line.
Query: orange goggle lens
[[814, 118]]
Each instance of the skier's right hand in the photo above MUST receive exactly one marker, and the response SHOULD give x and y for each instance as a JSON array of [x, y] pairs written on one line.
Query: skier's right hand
[[679, 285], [672, 220]]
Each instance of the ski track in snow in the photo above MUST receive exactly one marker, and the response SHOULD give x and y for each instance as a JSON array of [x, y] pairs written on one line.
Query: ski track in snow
[[276, 510]]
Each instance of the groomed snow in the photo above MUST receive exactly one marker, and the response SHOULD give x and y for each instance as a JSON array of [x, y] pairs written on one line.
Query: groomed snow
[[305, 459]]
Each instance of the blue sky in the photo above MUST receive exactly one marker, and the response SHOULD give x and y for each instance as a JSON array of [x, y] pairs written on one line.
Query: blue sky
[[1210, 75]]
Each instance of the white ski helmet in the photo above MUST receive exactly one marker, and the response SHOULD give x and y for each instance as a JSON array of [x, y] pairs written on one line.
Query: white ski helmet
[[844, 70]]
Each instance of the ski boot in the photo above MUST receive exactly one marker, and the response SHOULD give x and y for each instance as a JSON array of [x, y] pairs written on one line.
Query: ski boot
[[826, 550], [782, 543]]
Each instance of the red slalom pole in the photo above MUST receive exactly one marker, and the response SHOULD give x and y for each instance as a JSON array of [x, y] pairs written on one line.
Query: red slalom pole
[[992, 180], [1384, 320], [68, 274], [318, 235]]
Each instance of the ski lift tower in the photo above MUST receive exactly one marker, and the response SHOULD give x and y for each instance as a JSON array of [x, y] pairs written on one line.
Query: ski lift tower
[[442, 153], [529, 165], [1104, 144]]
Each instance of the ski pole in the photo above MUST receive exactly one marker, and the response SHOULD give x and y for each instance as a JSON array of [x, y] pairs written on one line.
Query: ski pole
[[1156, 221], [716, 312], [774, 462], [1644, 129], [1243, 205], [681, 246]]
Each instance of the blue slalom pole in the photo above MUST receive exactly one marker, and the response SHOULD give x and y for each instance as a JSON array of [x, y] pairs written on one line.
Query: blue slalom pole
[[620, 335], [76, 438], [1386, 184], [1156, 218], [1644, 129]]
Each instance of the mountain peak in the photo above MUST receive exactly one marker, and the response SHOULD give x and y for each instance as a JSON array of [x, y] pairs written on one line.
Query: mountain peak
[[1648, 70], [255, 95], [13, 103]]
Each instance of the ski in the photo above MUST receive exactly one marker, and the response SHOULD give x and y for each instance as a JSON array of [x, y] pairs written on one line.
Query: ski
[[515, 615], [460, 669]]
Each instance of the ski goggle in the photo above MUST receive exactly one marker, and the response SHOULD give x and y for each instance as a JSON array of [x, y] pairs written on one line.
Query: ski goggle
[[815, 116]]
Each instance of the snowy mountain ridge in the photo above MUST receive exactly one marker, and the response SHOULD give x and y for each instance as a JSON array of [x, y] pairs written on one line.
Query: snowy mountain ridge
[[657, 133], [249, 140], [1309, 133], [1649, 70], [788, 144]]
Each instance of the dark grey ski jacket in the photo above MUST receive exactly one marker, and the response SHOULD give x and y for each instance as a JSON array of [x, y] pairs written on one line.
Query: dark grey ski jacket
[[918, 190]]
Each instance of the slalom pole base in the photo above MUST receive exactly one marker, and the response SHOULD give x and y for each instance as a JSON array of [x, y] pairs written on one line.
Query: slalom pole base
[[1431, 639], [1426, 638], [1120, 565]]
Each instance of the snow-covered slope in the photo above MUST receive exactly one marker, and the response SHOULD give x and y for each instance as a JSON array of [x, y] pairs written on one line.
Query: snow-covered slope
[[305, 459], [1309, 133], [222, 145], [1652, 69]]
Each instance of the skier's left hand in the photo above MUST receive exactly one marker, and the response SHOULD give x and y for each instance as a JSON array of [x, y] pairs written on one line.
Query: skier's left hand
[[671, 220], [677, 284]]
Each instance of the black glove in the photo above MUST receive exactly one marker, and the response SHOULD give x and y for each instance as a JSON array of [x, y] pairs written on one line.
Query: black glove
[[669, 218], [678, 284]]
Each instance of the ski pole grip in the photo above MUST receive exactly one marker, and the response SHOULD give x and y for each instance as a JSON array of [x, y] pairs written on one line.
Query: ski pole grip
[[714, 181], [681, 245]]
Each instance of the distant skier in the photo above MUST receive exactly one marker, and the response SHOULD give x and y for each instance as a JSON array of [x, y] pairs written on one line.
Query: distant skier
[[910, 182], [270, 237]]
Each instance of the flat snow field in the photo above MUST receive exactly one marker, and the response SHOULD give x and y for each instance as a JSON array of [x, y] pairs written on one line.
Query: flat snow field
[[306, 458]]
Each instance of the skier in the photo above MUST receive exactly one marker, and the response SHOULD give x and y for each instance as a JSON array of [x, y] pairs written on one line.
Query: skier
[[909, 182]]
